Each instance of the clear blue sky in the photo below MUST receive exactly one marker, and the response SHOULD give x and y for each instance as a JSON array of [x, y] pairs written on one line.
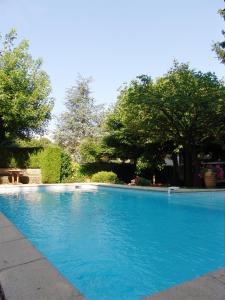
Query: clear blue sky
[[114, 40]]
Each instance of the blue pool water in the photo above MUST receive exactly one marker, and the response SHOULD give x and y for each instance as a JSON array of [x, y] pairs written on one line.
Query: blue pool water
[[122, 244]]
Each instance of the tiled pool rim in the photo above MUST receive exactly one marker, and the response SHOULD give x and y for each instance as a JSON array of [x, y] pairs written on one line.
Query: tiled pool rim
[[24, 259]]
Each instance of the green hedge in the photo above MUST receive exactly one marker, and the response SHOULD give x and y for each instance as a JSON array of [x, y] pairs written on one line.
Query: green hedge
[[66, 168], [55, 164], [50, 163], [105, 177]]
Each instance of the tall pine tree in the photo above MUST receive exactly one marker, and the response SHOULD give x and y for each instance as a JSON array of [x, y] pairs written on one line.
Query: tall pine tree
[[81, 118]]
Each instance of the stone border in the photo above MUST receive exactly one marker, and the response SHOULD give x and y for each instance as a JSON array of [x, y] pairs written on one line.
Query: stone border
[[156, 189], [208, 287], [70, 187], [25, 273]]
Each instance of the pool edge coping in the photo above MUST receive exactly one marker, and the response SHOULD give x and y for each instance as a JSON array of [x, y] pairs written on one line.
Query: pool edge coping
[[44, 280], [4, 188], [209, 286]]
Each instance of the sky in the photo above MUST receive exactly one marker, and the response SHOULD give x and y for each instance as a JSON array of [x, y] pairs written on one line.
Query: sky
[[114, 40]]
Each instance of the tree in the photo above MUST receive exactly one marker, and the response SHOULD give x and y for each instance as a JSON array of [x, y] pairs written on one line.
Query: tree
[[25, 104], [34, 142], [191, 112], [81, 119], [219, 47], [180, 112], [126, 127], [94, 149]]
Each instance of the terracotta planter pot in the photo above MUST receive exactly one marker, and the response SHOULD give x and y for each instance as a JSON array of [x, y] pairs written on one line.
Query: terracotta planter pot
[[210, 179]]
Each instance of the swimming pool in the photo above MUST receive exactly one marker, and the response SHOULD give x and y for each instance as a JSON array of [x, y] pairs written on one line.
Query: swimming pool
[[123, 244]]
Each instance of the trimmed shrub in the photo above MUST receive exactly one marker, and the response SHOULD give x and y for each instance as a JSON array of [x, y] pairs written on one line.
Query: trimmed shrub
[[125, 172], [55, 164], [105, 177], [66, 166], [50, 163], [34, 160]]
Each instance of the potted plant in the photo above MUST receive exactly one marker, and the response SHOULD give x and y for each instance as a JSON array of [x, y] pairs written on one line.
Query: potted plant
[[209, 176], [210, 173]]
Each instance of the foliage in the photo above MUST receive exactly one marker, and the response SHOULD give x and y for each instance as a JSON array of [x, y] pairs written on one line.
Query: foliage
[[181, 111], [24, 91], [51, 165], [90, 150], [104, 177], [190, 109], [124, 171], [66, 166], [56, 164], [124, 133], [34, 160], [76, 174], [14, 157], [219, 47], [34, 142], [81, 119], [94, 150], [216, 169], [188, 102]]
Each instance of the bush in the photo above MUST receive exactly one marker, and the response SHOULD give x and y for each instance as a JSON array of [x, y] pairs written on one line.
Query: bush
[[89, 150], [50, 163], [124, 172], [105, 177], [55, 164], [76, 175], [66, 166], [34, 160]]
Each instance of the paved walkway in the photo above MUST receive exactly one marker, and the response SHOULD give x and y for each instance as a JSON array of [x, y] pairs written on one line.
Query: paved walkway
[[25, 274]]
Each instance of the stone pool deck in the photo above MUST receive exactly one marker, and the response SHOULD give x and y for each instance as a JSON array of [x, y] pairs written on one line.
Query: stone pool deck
[[26, 275], [208, 287]]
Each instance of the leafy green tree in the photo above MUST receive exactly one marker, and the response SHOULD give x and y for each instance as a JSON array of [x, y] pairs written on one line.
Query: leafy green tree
[[94, 150], [25, 104], [124, 132], [190, 109], [180, 112], [219, 47], [81, 119]]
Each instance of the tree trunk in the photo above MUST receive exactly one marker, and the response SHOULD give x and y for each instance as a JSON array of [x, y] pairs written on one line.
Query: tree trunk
[[196, 168], [2, 131], [176, 179], [188, 173], [191, 166]]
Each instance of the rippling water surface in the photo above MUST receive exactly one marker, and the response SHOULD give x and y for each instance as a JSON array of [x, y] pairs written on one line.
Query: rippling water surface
[[121, 244]]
